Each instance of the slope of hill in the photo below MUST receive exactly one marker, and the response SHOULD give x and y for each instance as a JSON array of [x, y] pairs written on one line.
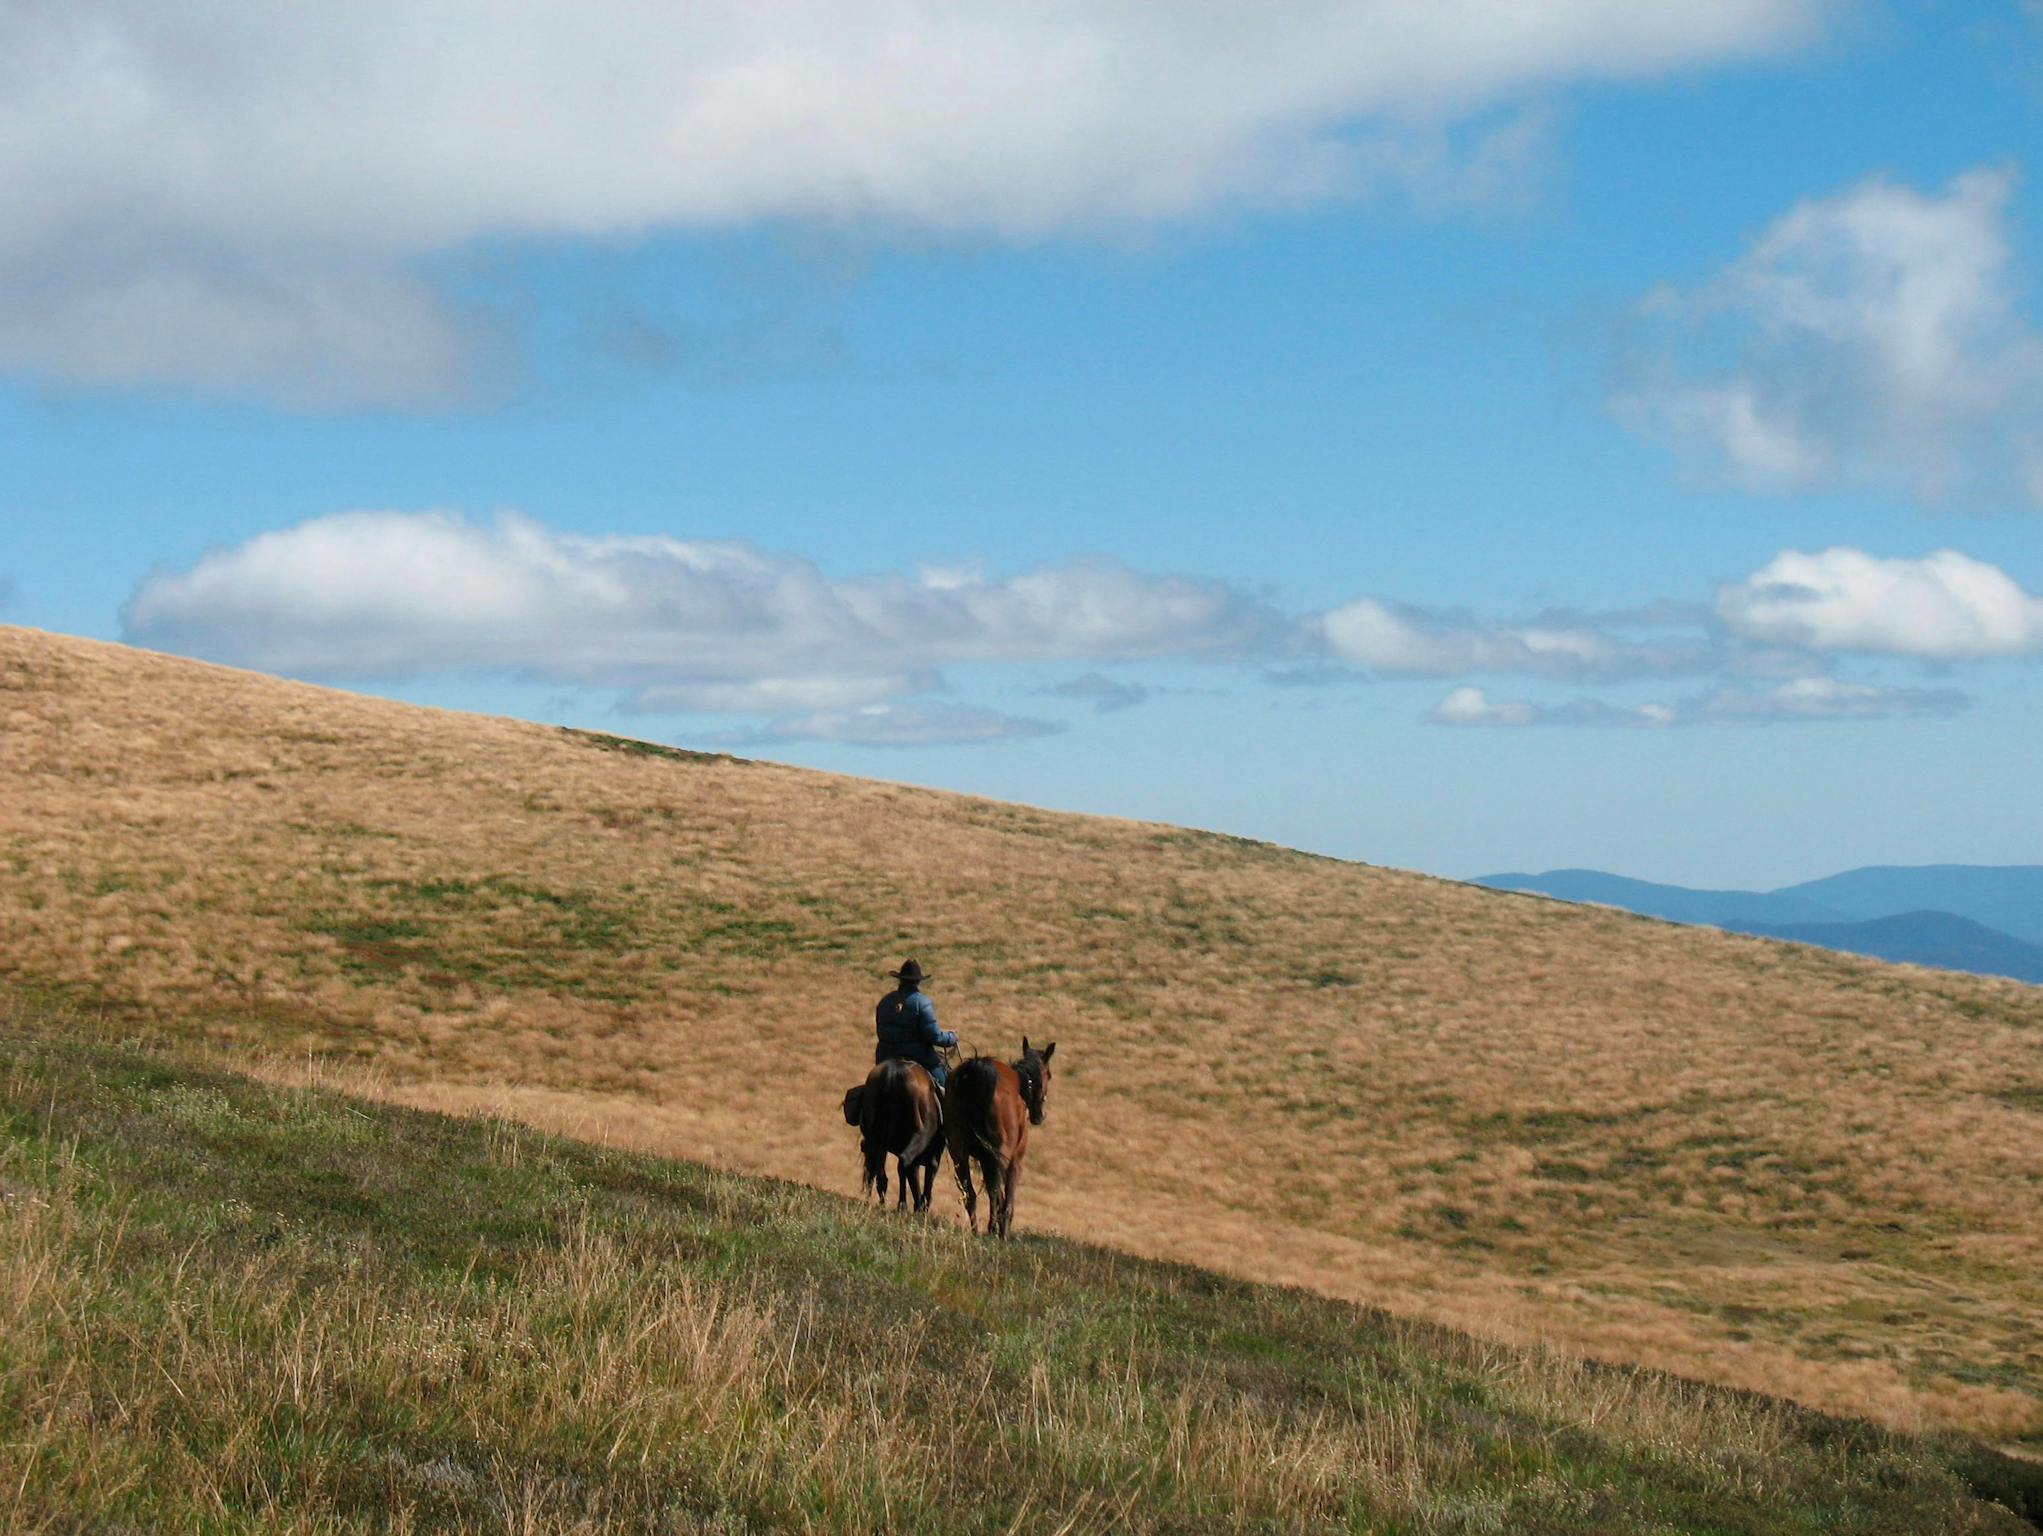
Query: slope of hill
[[1761, 1164], [233, 1306], [2008, 897], [1918, 938]]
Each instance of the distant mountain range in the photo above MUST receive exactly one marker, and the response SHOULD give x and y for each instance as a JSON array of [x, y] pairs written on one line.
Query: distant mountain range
[[1963, 917]]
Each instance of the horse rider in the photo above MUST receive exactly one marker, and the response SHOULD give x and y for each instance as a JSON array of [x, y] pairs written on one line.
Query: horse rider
[[906, 1023]]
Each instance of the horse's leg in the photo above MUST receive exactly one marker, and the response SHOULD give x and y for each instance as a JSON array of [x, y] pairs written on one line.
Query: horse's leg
[[905, 1175], [994, 1168], [1007, 1195], [962, 1166], [923, 1152], [875, 1171]]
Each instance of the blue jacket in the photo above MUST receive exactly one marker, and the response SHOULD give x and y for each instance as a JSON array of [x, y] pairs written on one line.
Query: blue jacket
[[907, 1027]]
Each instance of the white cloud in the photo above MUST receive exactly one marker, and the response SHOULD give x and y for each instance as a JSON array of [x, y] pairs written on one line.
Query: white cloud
[[240, 195], [1822, 698], [1870, 337], [895, 725], [1472, 706], [695, 627], [1395, 638], [679, 624], [1767, 448], [774, 695], [1802, 698], [1945, 606]]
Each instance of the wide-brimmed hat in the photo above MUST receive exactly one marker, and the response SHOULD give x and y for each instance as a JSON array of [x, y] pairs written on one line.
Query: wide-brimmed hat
[[909, 971]]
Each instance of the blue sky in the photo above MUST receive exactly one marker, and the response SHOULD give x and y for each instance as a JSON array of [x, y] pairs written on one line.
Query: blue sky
[[1460, 436]]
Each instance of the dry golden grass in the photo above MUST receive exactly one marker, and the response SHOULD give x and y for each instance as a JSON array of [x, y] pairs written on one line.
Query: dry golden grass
[[1751, 1162]]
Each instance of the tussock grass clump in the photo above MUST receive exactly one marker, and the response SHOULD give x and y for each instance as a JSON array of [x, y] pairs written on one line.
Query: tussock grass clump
[[230, 1306], [1747, 1161]]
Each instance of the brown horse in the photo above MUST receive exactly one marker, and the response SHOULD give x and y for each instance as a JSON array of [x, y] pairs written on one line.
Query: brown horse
[[898, 1115], [987, 1111]]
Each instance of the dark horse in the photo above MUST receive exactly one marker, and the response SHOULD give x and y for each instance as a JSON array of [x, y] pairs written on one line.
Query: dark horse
[[897, 1115], [987, 1111]]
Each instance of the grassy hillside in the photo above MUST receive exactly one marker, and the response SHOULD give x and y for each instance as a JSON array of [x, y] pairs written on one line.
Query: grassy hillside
[[237, 1307], [1753, 1162]]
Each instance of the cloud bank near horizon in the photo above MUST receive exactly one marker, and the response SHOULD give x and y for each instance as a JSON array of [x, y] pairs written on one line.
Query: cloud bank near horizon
[[911, 724], [674, 624], [689, 627], [1402, 639], [240, 198], [1798, 698]]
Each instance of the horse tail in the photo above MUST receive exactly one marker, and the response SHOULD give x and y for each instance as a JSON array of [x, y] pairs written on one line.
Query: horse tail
[[926, 1125], [872, 1137], [970, 1097]]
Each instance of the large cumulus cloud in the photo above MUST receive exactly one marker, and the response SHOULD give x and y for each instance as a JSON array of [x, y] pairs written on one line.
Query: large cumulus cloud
[[240, 194]]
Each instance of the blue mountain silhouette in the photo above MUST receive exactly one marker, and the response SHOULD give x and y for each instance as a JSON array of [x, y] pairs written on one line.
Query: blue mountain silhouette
[[1963, 917]]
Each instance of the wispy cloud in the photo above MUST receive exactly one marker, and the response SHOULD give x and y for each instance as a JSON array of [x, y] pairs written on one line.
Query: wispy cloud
[[1314, 674], [1401, 639], [893, 725], [1472, 706], [1104, 693], [1872, 337], [774, 695], [1823, 698], [240, 197], [1801, 698]]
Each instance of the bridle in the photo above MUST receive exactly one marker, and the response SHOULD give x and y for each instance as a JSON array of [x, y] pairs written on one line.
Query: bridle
[[1030, 1070]]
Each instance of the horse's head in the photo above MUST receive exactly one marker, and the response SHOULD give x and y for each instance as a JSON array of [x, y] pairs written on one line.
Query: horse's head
[[1034, 1071], [852, 1103]]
